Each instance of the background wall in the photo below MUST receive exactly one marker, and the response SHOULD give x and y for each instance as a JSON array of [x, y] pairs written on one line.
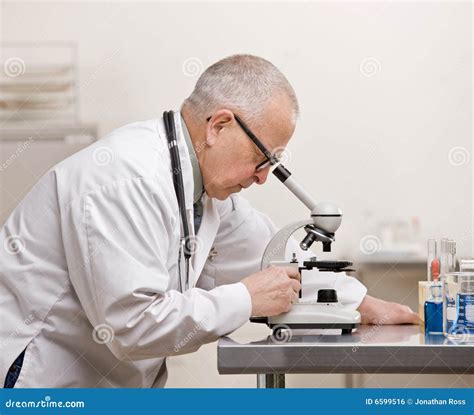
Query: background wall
[[385, 90]]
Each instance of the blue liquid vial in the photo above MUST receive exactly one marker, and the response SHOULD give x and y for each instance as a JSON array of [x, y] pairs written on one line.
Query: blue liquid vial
[[465, 314], [434, 310], [459, 306]]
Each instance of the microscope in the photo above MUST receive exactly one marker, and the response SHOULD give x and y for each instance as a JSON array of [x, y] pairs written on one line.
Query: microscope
[[324, 311]]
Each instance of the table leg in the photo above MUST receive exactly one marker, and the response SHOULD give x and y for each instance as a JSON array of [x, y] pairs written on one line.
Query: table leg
[[271, 380], [349, 380]]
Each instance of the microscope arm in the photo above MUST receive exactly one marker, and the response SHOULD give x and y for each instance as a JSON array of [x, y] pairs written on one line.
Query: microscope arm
[[276, 248]]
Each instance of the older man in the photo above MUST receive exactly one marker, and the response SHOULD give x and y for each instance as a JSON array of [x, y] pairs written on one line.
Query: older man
[[93, 287]]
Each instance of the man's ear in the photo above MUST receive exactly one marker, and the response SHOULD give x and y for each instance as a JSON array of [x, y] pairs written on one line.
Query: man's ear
[[220, 120]]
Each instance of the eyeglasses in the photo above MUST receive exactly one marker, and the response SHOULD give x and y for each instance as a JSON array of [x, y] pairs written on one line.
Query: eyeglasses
[[270, 159]]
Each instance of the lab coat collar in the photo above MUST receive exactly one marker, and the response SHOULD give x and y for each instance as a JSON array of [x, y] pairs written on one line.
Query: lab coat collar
[[210, 220], [197, 176], [186, 166]]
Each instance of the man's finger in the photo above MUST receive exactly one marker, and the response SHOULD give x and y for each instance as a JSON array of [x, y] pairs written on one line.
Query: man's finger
[[293, 272], [296, 286], [294, 298], [411, 318]]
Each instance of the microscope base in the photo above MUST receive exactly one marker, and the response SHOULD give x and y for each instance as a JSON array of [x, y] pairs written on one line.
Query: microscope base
[[309, 316]]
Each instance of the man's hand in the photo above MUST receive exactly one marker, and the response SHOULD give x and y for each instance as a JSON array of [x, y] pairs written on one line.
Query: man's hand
[[375, 311], [273, 290]]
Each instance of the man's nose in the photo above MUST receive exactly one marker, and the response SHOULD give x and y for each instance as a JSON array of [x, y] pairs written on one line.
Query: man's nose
[[262, 175]]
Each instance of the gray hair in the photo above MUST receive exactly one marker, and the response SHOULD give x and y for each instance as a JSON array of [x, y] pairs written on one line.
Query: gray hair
[[241, 83]]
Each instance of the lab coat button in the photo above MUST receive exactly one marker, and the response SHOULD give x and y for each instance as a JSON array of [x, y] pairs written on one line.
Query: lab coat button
[[212, 254]]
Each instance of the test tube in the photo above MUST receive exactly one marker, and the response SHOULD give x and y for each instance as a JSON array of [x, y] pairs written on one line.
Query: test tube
[[443, 256], [452, 255], [432, 253]]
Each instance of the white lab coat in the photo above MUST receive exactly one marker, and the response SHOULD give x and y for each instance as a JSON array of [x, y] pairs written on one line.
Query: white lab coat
[[89, 267]]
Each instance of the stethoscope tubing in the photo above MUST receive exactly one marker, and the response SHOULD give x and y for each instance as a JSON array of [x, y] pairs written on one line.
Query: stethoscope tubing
[[168, 117]]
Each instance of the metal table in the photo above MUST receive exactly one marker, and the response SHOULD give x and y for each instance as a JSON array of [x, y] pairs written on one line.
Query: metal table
[[369, 349]]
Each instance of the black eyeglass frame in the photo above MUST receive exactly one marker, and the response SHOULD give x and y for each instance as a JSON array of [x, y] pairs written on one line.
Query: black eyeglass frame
[[271, 159]]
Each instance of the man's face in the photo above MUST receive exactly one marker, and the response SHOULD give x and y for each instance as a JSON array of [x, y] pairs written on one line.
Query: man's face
[[230, 160]]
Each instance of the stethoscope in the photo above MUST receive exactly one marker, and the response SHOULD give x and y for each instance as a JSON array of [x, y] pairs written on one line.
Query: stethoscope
[[184, 244]]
